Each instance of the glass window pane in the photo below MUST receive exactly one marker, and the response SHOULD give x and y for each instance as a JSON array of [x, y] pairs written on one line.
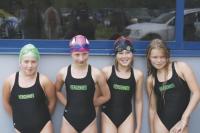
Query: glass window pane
[[192, 20], [96, 19]]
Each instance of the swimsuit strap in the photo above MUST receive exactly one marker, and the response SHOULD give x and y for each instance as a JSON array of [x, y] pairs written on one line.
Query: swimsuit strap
[[16, 79]]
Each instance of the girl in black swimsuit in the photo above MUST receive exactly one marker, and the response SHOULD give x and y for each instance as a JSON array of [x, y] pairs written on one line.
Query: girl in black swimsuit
[[28, 96], [125, 84], [82, 95], [169, 86]]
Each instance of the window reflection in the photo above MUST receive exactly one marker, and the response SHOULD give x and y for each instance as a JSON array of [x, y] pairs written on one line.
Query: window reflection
[[192, 20], [138, 19]]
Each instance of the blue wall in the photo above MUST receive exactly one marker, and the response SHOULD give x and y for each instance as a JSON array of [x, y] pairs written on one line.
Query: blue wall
[[9, 64]]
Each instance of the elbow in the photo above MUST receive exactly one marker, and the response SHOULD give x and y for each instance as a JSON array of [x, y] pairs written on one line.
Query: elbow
[[58, 93], [197, 95], [108, 97], [52, 107], [151, 111], [139, 101]]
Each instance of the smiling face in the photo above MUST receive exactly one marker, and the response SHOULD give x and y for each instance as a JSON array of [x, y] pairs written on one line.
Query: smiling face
[[124, 58], [158, 58], [29, 65], [80, 58]]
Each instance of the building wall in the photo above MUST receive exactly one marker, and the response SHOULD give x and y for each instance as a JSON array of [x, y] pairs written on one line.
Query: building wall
[[50, 65]]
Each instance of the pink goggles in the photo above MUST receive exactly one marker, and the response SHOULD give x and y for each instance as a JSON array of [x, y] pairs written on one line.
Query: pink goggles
[[79, 43], [79, 48]]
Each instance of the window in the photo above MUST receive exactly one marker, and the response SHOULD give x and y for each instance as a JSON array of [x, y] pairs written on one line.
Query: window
[[62, 19], [55, 21], [192, 20]]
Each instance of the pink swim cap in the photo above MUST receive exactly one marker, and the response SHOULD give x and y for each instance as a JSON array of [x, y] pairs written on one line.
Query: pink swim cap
[[79, 43]]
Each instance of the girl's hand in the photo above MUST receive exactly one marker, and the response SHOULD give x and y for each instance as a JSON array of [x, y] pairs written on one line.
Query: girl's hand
[[137, 130], [179, 127]]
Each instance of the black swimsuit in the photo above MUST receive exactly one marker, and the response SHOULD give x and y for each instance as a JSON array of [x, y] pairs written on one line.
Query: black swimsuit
[[80, 110], [172, 99], [29, 107], [119, 107]]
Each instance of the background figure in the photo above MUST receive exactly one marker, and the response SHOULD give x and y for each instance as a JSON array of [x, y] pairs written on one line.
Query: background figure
[[125, 85], [189, 28], [169, 87], [13, 23], [33, 23], [86, 89], [10, 29], [28, 92], [82, 23], [52, 23], [119, 21]]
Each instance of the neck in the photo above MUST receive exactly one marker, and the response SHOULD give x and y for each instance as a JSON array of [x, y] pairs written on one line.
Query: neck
[[164, 69], [28, 76], [123, 68], [80, 67]]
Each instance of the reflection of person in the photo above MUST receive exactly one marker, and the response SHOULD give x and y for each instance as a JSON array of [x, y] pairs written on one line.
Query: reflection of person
[[169, 85], [189, 28], [28, 96], [32, 23], [125, 84], [82, 24], [119, 20], [80, 79], [52, 22]]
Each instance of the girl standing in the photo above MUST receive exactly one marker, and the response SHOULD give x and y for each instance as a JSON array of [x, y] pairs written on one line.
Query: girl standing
[[81, 80], [125, 83], [172, 89], [28, 96]]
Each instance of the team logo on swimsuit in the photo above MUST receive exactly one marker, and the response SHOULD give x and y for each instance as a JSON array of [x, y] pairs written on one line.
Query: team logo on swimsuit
[[121, 87], [167, 87], [78, 87], [26, 96]]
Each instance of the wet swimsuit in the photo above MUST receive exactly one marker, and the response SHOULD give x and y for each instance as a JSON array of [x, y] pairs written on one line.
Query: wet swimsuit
[[119, 107], [29, 107], [80, 110], [172, 97]]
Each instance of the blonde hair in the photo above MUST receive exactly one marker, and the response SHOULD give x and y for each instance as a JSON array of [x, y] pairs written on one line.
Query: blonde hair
[[156, 44]]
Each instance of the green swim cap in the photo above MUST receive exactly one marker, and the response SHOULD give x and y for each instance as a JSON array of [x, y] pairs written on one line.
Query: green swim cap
[[29, 49]]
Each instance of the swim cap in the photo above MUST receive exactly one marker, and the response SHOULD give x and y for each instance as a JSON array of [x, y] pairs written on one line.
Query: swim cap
[[79, 43], [29, 49], [123, 43]]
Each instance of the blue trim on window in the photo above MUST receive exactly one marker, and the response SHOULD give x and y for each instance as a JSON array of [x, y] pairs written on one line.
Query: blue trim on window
[[105, 47], [179, 23]]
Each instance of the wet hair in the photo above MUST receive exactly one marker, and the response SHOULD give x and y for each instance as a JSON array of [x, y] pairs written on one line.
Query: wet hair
[[156, 44], [123, 43], [29, 49], [79, 43]]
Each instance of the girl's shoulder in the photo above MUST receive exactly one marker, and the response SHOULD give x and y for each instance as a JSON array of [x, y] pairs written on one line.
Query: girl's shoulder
[[107, 70], [138, 73], [62, 72], [10, 80]]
